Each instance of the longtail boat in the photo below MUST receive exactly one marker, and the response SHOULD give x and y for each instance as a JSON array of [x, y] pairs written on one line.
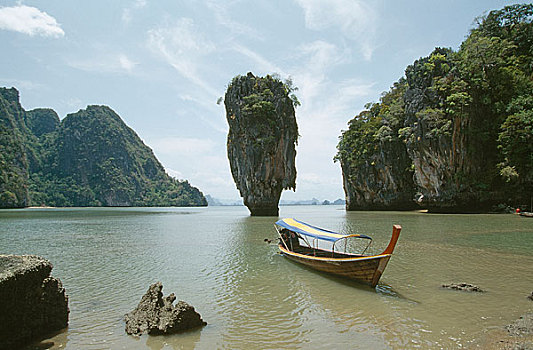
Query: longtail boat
[[303, 243]]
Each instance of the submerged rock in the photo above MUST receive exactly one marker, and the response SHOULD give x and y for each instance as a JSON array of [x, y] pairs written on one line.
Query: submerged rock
[[530, 297], [515, 336], [156, 314], [32, 303], [261, 140], [463, 286], [522, 326]]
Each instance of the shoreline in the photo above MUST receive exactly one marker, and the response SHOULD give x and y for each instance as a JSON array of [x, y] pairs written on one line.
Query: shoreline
[[516, 335]]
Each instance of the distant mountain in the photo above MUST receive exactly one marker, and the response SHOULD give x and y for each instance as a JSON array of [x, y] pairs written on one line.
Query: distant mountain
[[211, 201], [90, 158], [339, 202], [313, 201]]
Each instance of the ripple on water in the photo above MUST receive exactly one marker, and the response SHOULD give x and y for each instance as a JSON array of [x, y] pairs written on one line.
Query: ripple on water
[[253, 298]]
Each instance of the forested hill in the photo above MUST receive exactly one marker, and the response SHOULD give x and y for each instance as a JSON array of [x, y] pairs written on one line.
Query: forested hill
[[90, 158], [455, 134]]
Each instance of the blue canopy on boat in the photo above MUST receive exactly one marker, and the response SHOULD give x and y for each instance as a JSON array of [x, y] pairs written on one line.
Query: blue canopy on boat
[[313, 231]]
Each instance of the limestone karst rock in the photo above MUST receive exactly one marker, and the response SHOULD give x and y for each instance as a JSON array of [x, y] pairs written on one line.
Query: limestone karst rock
[[33, 304], [156, 314], [454, 134], [13, 159], [90, 158], [261, 140]]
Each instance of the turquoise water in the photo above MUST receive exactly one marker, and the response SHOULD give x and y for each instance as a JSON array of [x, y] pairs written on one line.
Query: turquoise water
[[216, 259]]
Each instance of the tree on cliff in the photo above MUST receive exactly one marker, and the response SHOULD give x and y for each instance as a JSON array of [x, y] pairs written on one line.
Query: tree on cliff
[[375, 164], [90, 158], [13, 160], [463, 118], [261, 141]]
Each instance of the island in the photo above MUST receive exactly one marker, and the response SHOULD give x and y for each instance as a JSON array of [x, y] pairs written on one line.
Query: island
[[90, 158], [455, 133], [262, 140]]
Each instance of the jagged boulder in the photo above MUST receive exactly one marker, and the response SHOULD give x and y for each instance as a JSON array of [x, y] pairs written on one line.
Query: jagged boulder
[[32, 303], [261, 140], [156, 314]]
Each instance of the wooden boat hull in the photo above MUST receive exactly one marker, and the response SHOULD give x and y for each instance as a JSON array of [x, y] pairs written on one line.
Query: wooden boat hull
[[361, 268], [367, 270]]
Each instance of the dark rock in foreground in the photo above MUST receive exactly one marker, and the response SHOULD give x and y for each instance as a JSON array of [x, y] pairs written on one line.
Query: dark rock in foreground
[[463, 286], [32, 303], [155, 314]]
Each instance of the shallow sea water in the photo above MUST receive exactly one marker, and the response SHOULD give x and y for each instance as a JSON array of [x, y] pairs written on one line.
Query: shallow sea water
[[216, 259]]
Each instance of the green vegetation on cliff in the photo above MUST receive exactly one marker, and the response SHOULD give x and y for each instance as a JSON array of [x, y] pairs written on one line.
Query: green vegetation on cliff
[[13, 161], [90, 158], [261, 139], [459, 124]]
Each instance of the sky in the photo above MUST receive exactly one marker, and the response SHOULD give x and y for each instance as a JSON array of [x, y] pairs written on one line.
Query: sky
[[162, 65]]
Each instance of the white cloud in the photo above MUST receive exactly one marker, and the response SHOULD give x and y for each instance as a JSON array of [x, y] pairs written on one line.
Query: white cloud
[[322, 54], [262, 63], [311, 178], [21, 84], [139, 4], [326, 108], [201, 160], [328, 102], [354, 18], [191, 147], [320, 93], [174, 173], [108, 63], [184, 48], [73, 103], [127, 12], [223, 13], [126, 15], [318, 58], [126, 63], [29, 20]]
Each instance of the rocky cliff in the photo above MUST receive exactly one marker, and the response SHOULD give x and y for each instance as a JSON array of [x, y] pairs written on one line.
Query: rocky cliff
[[439, 138], [261, 140], [90, 158], [42, 121], [454, 134], [13, 161], [376, 167], [32, 303]]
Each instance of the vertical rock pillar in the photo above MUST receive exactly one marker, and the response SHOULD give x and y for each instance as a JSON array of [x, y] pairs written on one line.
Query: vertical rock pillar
[[261, 141]]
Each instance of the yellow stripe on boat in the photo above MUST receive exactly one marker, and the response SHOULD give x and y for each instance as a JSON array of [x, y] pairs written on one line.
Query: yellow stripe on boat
[[311, 230]]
